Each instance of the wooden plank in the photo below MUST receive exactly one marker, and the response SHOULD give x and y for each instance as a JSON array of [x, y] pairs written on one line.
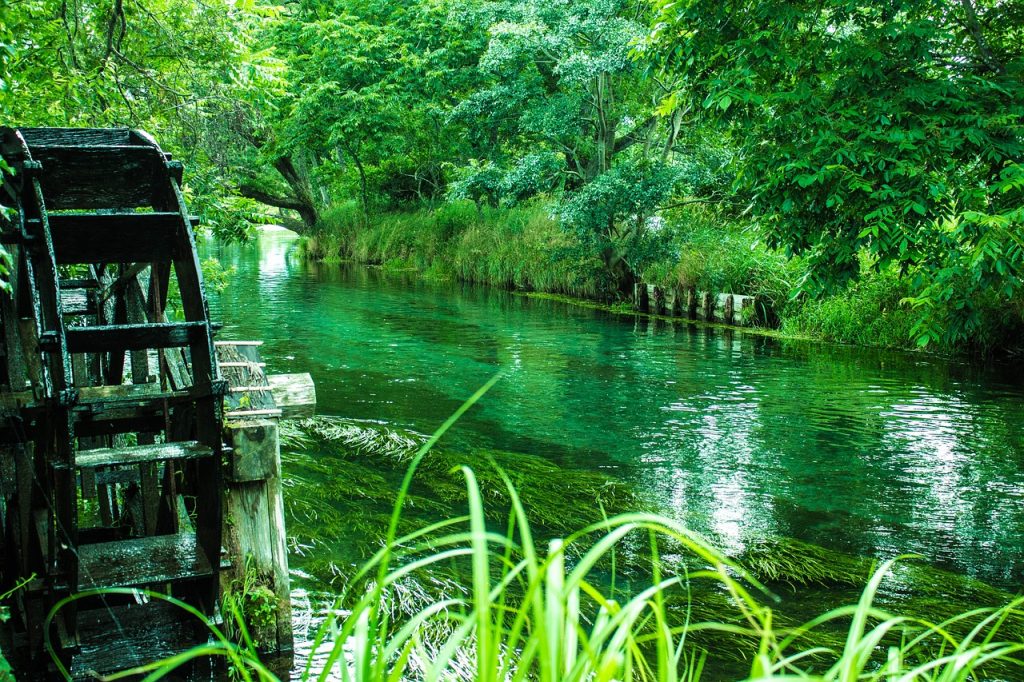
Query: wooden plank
[[294, 394], [243, 369], [122, 337], [76, 136], [76, 302], [121, 637], [114, 237], [17, 372], [29, 333], [142, 561], [138, 454], [238, 414], [128, 393], [98, 176]]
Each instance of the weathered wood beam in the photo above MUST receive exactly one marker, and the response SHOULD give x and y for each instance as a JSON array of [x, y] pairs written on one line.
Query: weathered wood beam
[[294, 394]]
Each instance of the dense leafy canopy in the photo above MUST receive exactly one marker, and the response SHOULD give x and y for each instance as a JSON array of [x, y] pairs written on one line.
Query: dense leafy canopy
[[895, 128], [886, 133]]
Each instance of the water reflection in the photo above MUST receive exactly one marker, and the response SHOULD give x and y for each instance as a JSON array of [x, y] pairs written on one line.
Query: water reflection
[[741, 436]]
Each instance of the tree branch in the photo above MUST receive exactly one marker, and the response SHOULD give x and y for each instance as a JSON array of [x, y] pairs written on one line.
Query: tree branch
[[270, 199], [638, 134], [974, 27]]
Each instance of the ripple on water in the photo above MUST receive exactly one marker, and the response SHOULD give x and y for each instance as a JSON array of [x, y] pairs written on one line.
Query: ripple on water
[[741, 436]]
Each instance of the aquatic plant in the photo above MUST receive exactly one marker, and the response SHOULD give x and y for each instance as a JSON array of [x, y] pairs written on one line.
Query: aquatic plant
[[798, 564], [563, 625], [558, 610]]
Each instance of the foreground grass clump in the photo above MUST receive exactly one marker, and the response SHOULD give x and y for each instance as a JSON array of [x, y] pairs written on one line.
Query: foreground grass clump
[[707, 612], [554, 610], [529, 613]]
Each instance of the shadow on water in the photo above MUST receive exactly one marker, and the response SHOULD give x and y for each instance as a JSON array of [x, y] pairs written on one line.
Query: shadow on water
[[744, 437]]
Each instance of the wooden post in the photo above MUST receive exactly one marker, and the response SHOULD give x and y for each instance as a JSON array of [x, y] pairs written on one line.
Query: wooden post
[[640, 299], [254, 519], [707, 306], [672, 297], [254, 503], [691, 303], [657, 300]]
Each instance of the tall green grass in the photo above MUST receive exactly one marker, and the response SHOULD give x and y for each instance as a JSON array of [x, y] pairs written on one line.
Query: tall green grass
[[553, 613], [870, 312], [721, 254], [520, 247]]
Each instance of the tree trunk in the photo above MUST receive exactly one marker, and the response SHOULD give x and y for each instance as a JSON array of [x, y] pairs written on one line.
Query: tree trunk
[[299, 199]]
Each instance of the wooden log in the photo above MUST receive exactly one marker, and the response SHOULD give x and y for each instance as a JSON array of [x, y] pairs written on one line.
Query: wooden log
[[294, 394]]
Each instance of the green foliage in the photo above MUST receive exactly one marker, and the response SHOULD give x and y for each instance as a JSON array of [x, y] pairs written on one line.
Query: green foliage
[[871, 312], [176, 68], [561, 109], [520, 247], [890, 129], [253, 608], [713, 253]]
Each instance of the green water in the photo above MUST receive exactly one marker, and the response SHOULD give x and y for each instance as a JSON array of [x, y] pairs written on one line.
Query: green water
[[742, 436]]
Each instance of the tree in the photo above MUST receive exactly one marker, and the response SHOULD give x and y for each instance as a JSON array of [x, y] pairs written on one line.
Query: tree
[[168, 66], [564, 108], [889, 128]]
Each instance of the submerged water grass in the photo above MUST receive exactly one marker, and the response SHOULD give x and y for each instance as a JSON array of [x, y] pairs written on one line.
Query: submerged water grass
[[552, 610]]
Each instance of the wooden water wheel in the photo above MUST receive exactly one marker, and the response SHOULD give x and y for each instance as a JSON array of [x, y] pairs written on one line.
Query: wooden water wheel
[[110, 449]]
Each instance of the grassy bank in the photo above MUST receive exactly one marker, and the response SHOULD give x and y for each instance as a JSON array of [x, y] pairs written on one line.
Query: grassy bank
[[524, 248], [516, 248]]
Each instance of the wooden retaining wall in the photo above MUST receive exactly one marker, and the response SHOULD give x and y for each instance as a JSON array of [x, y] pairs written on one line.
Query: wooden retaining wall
[[688, 303]]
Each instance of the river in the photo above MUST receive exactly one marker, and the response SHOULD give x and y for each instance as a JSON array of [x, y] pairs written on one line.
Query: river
[[740, 435]]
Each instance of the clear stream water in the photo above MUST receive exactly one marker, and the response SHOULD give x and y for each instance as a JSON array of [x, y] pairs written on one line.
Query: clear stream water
[[870, 452]]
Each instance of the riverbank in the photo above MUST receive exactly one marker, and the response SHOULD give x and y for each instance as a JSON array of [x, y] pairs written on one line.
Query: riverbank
[[524, 249]]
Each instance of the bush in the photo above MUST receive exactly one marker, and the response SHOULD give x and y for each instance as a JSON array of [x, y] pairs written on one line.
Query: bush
[[869, 312], [713, 252]]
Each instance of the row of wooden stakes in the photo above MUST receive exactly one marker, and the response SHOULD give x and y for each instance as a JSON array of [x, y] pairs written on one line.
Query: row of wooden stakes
[[688, 303]]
